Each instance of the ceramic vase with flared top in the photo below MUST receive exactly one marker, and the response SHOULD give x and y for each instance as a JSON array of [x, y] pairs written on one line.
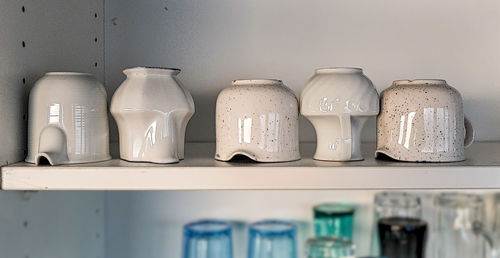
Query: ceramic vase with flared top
[[152, 109]]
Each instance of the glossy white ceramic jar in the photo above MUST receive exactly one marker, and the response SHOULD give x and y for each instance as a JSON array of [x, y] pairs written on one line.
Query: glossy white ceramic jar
[[423, 121], [258, 119], [338, 102], [68, 120], [152, 109]]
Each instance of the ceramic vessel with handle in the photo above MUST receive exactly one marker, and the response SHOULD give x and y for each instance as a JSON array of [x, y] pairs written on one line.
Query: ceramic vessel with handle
[[152, 109], [423, 121], [68, 120], [338, 102]]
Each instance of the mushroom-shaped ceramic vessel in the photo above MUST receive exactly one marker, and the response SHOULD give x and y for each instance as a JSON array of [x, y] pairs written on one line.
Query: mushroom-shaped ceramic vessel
[[152, 109], [338, 102], [257, 119], [422, 121], [68, 120]]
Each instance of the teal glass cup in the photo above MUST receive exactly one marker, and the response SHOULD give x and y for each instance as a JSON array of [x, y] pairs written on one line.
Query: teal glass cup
[[334, 219]]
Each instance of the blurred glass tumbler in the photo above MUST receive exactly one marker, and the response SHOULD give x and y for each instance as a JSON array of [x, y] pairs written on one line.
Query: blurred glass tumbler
[[460, 229], [402, 237], [207, 239], [272, 239], [330, 247], [334, 219], [393, 204]]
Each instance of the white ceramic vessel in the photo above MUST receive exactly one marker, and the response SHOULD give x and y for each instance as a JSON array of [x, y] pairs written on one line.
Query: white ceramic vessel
[[152, 109], [68, 120], [338, 102], [258, 119], [423, 121]]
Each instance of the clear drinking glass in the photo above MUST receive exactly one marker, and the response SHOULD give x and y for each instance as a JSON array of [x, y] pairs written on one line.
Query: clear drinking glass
[[272, 239], [329, 247], [334, 219], [207, 239], [496, 212], [458, 229], [393, 204]]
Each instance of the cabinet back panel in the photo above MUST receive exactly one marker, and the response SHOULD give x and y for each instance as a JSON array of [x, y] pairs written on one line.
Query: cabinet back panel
[[52, 224], [39, 37], [216, 41]]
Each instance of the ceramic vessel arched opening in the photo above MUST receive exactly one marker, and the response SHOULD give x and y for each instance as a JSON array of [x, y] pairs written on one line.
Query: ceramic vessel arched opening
[[257, 119], [68, 121]]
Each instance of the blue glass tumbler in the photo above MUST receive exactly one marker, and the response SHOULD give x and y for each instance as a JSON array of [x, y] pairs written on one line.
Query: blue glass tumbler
[[207, 239], [272, 239]]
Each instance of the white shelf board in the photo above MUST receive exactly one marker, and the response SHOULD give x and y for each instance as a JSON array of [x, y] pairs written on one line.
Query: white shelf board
[[199, 171]]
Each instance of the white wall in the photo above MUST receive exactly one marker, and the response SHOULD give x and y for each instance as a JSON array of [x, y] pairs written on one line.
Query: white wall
[[215, 41]]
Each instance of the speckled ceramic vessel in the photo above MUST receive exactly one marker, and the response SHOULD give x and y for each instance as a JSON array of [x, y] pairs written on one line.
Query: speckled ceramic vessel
[[422, 121], [338, 102], [258, 119]]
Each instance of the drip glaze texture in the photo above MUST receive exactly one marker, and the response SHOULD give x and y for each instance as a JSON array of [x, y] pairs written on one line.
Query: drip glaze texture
[[68, 120], [338, 102], [152, 109], [422, 121], [257, 119]]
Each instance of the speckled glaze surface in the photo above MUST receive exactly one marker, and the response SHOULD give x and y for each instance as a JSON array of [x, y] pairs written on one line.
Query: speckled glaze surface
[[422, 121], [152, 109], [338, 102], [258, 119], [68, 120]]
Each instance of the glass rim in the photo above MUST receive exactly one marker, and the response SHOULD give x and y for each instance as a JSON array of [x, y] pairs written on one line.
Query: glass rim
[[458, 199], [272, 228], [207, 227], [401, 199], [335, 242], [341, 241], [336, 208], [401, 222]]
